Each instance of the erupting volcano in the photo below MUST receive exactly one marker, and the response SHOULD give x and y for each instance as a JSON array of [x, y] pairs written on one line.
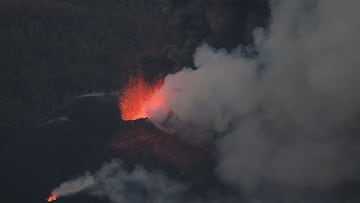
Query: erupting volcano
[[137, 99]]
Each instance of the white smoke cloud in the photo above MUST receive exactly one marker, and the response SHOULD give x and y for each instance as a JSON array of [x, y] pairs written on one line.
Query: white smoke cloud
[[74, 186], [138, 185], [201, 97], [118, 185], [290, 116]]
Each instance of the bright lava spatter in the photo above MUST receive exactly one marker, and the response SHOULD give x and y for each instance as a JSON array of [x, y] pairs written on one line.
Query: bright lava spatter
[[52, 198], [138, 98]]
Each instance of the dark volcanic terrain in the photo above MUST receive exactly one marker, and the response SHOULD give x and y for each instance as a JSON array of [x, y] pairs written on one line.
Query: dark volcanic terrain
[[52, 51], [84, 134], [280, 110]]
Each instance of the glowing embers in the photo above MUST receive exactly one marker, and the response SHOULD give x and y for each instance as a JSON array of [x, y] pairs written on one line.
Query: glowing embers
[[52, 198], [138, 99]]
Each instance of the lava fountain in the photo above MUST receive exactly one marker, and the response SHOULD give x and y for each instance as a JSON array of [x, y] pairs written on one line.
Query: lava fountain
[[138, 98]]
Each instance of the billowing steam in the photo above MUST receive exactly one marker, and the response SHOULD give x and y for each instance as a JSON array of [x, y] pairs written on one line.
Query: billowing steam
[[72, 187], [119, 185], [285, 111]]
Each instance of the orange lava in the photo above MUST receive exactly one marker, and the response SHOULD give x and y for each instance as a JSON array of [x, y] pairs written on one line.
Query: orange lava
[[52, 198], [138, 98]]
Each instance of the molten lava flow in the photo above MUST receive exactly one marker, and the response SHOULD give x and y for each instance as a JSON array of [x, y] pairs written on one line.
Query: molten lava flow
[[138, 98], [52, 198]]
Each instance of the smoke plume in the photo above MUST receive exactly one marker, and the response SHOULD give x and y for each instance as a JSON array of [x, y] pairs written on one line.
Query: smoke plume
[[285, 111], [119, 185], [74, 186]]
